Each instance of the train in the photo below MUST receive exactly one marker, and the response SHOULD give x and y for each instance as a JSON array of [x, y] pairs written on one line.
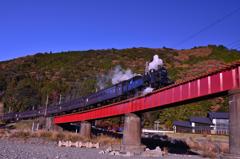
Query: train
[[154, 78]]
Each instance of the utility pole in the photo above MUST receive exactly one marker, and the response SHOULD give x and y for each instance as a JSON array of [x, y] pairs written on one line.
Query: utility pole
[[60, 99], [46, 106], [146, 67]]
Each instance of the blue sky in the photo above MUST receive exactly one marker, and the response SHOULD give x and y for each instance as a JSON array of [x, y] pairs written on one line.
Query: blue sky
[[28, 27]]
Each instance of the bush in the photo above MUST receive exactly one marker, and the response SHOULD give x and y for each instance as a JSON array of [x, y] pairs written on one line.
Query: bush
[[21, 134], [45, 134]]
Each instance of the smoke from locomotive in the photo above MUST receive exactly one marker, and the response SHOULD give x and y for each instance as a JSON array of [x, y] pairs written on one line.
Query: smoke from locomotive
[[116, 75], [119, 74], [156, 62], [102, 81], [147, 90]]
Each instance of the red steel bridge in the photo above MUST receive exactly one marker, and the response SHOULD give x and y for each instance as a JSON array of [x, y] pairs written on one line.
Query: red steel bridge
[[216, 83], [225, 81]]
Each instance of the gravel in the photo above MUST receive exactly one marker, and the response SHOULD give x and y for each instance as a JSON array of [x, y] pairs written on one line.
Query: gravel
[[40, 149]]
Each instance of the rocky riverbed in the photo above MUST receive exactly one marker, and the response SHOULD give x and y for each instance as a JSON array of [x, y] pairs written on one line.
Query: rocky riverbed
[[40, 149]]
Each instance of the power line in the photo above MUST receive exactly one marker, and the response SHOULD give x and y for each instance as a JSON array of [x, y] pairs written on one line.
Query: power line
[[237, 48], [208, 26], [234, 44]]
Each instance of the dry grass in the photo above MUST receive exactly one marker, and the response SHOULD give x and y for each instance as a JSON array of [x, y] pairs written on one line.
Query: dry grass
[[5, 133], [43, 134], [20, 134], [220, 138], [75, 137], [56, 136], [63, 136], [2, 133], [48, 135], [104, 140], [24, 125]]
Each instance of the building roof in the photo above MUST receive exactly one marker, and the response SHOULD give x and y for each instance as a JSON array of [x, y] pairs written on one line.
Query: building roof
[[202, 120], [218, 115], [182, 123]]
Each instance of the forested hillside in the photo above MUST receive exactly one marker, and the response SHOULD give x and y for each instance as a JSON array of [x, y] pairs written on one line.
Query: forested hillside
[[27, 81]]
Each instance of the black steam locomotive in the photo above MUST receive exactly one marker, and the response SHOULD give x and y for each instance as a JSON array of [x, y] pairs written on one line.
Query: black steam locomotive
[[123, 90]]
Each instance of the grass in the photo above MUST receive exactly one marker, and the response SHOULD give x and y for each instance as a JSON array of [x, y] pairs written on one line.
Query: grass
[[24, 125], [221, 138], [106, 140], [60, 136], [21, 134], [56, 136]]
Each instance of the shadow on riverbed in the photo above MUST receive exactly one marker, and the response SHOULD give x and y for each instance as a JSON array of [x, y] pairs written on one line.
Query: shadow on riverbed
[[173, 146], [151, 142]]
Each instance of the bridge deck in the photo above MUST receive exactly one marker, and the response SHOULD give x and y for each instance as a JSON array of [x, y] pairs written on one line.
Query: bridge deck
[[204, 86]]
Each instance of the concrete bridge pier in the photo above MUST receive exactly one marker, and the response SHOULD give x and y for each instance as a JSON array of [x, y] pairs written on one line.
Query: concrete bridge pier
[[234, 125], [131, 141], [49, 125], [85, 129]]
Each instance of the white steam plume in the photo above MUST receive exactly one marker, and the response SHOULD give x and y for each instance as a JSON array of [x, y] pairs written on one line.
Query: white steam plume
[[147, 90], [155, 63], [120, 74], [102, 81]]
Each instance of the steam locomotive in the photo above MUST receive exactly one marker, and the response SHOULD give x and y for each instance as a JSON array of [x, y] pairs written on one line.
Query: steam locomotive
[[123, 90]]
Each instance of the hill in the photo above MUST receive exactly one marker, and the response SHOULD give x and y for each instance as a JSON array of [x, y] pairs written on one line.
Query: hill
[[27, 81]]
